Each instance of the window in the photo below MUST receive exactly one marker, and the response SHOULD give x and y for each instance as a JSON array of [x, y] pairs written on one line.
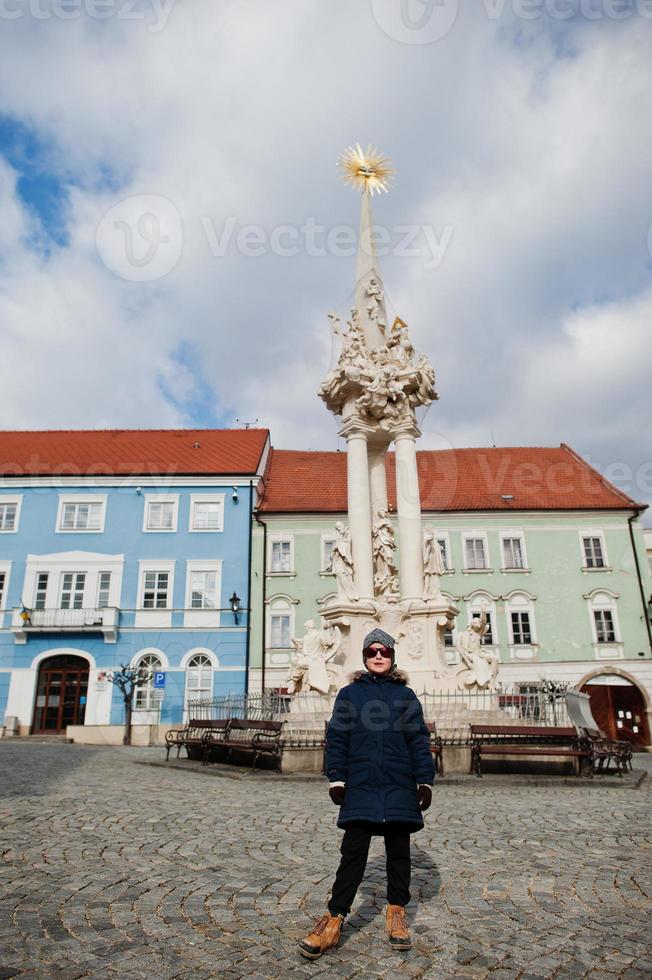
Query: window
[[144, 692], [41, 590], [475, 552], [327, 545], [206, 512], [72, 590], [513, 553], [280, 630], [604, 626], [103, 590], [593, 552], [160, 517], [443, 547], [449, 640], [488, 637], [281, 556], [521, 632], [203, 590], [8, 515], [81, 517], [199, 678], [156, 590], [3, 580]]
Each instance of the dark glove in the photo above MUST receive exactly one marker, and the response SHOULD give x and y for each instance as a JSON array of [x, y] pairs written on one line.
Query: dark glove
[[336, 794], [425, 796]]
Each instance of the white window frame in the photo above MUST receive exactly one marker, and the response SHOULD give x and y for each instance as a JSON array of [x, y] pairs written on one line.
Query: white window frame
[[81, 498], [469, 536], [475, 604], [521, 602], [150, 711], [278, 537], [206, 498], [5, 569], [6, 498], [594, 533], [185, 666], [154, 617], [280, 605], [325, 538], [56, 565], [202, 617], [604, 600], [445, 537], [161, 498], [99, 589], [73, 592], [505, 535]]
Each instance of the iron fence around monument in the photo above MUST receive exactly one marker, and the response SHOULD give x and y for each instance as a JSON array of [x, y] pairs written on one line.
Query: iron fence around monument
[[452, 712]]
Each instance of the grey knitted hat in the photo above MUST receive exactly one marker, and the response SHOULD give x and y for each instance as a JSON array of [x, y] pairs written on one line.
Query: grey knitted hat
[[378, 636]]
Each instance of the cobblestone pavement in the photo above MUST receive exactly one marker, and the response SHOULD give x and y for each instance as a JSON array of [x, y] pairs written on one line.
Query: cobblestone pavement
[[115, 869]]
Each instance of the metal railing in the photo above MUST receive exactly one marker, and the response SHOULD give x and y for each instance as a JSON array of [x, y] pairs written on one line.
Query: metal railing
[[452, 712], [69, 618]]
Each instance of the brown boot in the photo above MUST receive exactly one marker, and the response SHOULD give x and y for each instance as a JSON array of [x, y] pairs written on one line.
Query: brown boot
[[326, 933], [399, 934]]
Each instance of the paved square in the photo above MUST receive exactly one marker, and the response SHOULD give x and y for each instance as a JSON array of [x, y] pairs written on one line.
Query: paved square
[[111, 868]]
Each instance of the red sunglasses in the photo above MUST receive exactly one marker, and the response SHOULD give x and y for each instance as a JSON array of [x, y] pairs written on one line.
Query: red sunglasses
[[385, 652]]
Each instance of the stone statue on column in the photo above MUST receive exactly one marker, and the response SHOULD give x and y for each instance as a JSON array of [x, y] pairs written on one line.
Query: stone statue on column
[[433, 564], [385, 571], [480, 669], [342, 563], [311, 668]]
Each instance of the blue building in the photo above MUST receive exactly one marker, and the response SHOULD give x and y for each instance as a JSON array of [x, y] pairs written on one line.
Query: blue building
[[123, 547]]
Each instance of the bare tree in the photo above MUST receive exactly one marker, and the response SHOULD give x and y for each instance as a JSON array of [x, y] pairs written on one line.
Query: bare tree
[[127, 679]]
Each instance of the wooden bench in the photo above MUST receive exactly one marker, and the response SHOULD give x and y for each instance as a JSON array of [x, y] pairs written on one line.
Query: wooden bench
[[529, 740], [436, 748], [262, 738], [194, 737]]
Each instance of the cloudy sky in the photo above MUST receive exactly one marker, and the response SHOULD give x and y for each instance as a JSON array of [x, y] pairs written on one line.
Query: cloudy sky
[[174, 232]]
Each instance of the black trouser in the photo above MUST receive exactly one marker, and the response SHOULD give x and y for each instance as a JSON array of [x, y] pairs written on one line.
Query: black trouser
[[354, 850]]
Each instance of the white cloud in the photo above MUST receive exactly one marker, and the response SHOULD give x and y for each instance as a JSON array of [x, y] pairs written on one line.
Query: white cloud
[[538, 162]]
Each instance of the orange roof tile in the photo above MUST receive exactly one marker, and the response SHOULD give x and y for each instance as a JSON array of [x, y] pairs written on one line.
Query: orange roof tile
[[132, 452], [535, 478]]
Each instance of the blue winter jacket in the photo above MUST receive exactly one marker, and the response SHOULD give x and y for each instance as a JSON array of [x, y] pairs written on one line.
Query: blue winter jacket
[[378, 745]]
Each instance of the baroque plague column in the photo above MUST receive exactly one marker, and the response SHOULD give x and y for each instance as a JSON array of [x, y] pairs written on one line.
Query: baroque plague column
[[376, 386]]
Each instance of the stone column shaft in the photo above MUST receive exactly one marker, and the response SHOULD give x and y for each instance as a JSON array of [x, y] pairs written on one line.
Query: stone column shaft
[[377, 480], [360, 514], [408, 506]]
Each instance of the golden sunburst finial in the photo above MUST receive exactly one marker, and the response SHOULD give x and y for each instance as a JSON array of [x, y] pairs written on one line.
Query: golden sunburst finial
[[366, 171]]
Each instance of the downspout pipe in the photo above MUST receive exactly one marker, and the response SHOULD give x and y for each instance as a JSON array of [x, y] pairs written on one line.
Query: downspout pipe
[[646, 613], [264, 625], [248, 640]]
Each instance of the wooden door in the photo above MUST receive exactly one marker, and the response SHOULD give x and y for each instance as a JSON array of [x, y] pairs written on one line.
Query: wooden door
[[60, 694], [619, 710]]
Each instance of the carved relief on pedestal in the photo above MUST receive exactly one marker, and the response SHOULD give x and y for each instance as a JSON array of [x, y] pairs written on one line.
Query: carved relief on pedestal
[[312, 668], [385, 571], [480, 665], [412, 643], [342, 563]]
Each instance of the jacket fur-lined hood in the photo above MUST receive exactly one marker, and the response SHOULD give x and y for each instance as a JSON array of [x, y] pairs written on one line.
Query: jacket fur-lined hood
[[398, 676]]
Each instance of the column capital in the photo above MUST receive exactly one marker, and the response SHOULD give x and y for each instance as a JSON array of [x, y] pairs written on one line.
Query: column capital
[[409, 430]]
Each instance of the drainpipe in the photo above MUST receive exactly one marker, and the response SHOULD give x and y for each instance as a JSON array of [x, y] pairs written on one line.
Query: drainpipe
[[646, 615], [248, 641], [264, 527]]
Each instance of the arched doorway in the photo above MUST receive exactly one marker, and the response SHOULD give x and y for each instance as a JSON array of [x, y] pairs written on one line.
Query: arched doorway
[[618, 707], [60, 694]]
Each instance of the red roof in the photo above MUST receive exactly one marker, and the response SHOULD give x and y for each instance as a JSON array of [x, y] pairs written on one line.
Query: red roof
[[133, 452], [532, 478]]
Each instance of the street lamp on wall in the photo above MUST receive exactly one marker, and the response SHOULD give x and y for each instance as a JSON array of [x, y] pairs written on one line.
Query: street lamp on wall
[[235, 606]]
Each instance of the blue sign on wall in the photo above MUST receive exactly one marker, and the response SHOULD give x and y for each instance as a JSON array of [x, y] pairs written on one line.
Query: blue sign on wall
[[159, 678]]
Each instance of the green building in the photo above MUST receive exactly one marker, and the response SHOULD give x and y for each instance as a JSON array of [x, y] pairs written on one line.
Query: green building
[[553, 553]]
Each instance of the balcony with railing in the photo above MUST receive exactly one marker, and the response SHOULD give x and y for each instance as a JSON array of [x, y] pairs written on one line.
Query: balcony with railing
[[26, 622]]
